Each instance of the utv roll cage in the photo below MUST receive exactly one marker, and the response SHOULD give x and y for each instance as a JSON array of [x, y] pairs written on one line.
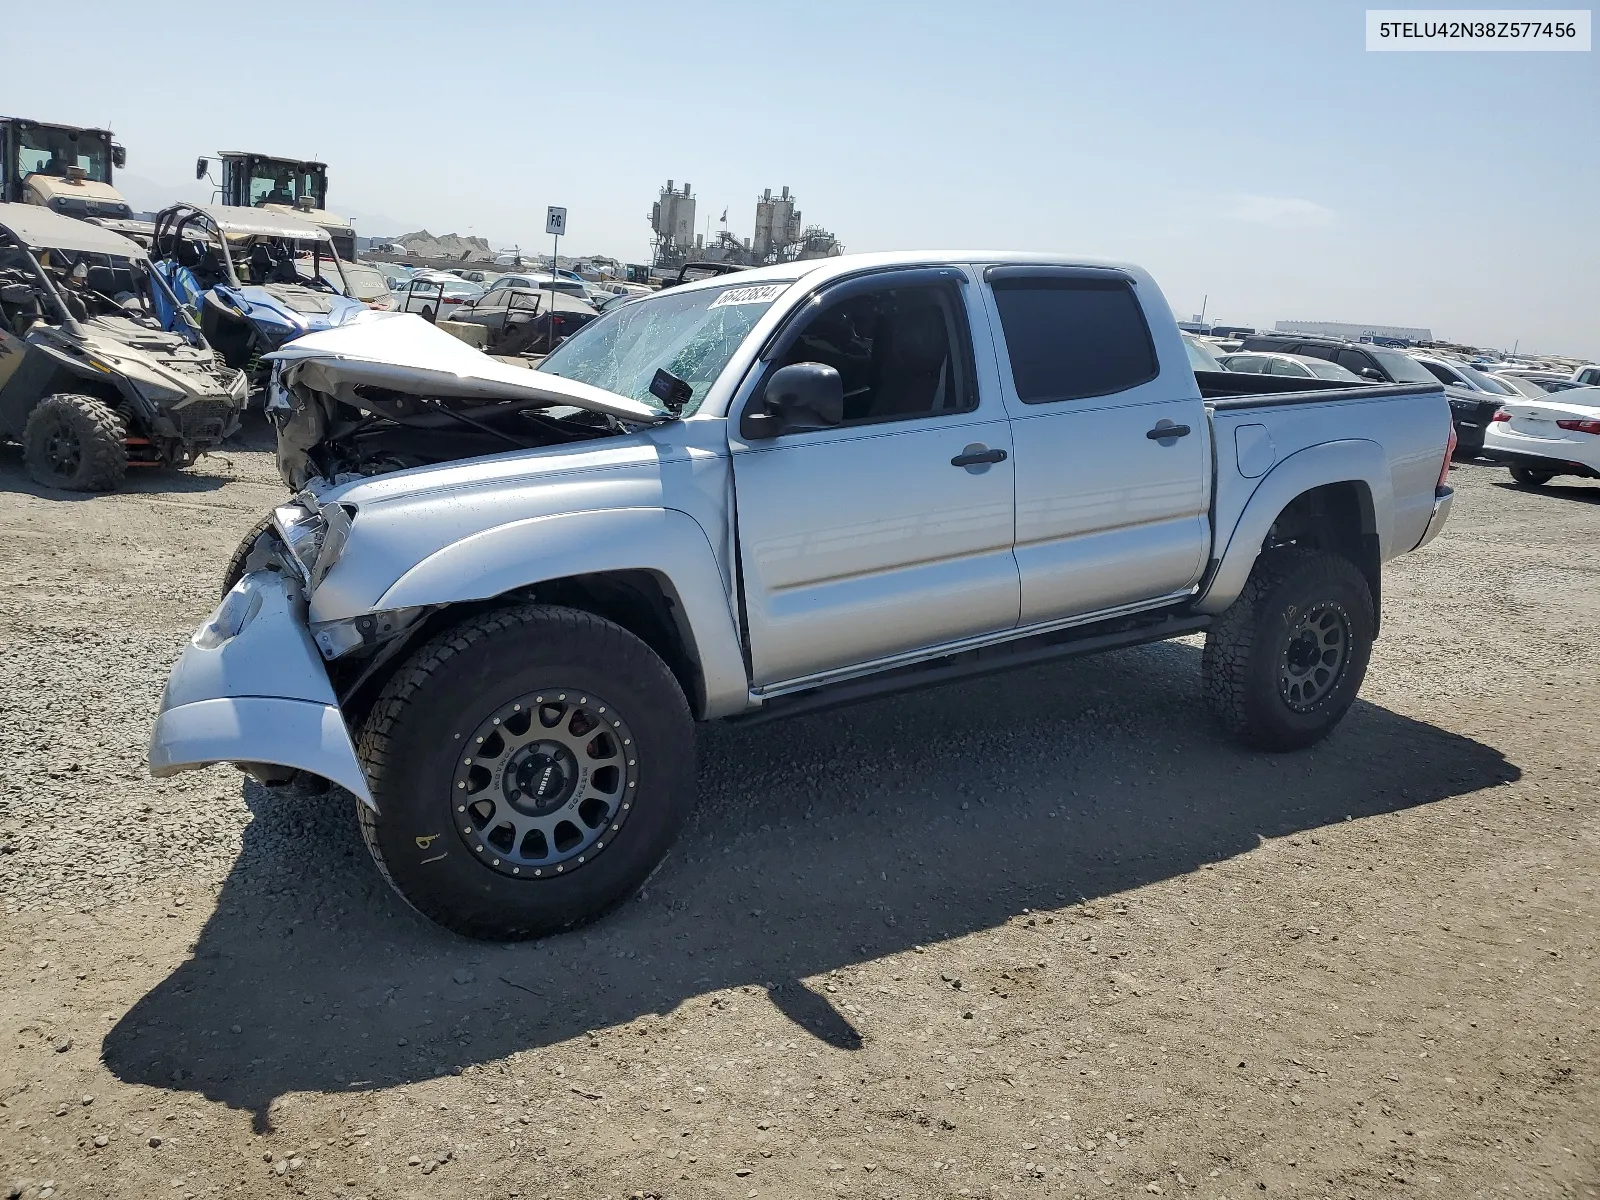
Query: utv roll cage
[[190, 235], [22, 255]]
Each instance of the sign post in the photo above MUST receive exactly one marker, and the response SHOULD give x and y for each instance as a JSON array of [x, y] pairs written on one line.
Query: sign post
[[555, 224]]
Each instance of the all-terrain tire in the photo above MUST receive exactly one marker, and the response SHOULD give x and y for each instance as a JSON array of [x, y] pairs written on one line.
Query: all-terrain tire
[[241, 554], [75, 443], [1524, 477], [421, 729], [1251, 648]]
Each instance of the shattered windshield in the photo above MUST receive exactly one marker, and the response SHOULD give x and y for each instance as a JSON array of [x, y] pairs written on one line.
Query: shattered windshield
[[51, 151], [692, 335]]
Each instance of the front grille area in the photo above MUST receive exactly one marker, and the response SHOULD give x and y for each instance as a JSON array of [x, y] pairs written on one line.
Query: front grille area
[[204, 420]]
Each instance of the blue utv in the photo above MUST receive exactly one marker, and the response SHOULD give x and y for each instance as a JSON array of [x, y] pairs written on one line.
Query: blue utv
[[254, 279]]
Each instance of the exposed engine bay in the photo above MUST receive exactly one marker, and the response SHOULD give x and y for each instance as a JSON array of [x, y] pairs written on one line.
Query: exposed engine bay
[[397, 392]]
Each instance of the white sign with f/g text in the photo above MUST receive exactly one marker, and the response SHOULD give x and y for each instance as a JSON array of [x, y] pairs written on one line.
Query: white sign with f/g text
[[555, 220]]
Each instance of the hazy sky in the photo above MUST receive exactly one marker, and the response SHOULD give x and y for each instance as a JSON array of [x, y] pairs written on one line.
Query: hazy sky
[[1252, 152]]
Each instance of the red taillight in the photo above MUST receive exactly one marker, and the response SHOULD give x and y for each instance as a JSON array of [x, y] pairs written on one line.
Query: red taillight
[[1580, 426], [1500, 414], [1449, 453]]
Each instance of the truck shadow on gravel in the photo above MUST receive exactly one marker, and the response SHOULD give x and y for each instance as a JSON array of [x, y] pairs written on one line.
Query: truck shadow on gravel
[[818, 843]]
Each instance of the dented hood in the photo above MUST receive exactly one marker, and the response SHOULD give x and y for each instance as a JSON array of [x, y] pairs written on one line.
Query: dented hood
[[406, 353]]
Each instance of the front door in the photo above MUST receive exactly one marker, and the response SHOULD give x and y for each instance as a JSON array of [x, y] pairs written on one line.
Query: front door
[[891, 532], [1111, 511]]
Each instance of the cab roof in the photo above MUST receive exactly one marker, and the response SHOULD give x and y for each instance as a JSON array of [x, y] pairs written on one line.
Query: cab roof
[[38, 228]]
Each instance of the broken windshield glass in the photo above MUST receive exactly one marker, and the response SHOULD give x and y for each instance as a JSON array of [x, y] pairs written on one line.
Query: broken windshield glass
[[691, 335]]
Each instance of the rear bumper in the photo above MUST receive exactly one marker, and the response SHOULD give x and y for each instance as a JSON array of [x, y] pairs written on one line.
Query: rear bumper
[[250, 688], [1443, 497], [1539, 462]]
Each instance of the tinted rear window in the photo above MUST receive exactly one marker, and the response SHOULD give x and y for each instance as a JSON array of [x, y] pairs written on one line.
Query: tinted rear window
[[1073, 338]]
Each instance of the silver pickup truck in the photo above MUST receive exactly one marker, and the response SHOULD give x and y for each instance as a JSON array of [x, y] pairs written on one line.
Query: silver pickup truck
[[501, 598]]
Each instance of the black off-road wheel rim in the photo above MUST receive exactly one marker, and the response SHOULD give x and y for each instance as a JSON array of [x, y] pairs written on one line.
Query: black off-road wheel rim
[[543, 784], [63, 451], [1314, 656]]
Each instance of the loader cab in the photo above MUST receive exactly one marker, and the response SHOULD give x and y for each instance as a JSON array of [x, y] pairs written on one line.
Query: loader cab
[[282, 185], [65, 168]]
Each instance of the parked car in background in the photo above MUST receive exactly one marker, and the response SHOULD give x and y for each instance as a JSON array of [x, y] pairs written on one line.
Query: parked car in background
[[435, 296], [1588, 376], [619, 299], [474, 275], [1541, 439], [366, 284], [526, 320], [1375, 364], [1474, 398], [1201, 355], [1522, 386], [395, 275], [1296, 366], [539, 280]]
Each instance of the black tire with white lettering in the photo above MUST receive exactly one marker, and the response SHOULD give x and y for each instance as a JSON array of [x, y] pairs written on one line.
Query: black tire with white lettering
[[531, 767], [1284, 662]]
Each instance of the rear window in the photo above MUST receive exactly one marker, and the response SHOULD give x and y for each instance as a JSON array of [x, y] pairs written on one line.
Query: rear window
[[1070, 339]]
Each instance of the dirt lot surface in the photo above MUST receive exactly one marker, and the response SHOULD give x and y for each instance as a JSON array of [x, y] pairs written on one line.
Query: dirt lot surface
[[1043, 935]]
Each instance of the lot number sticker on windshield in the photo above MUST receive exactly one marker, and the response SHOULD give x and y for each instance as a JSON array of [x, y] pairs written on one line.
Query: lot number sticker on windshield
[[763, 293]]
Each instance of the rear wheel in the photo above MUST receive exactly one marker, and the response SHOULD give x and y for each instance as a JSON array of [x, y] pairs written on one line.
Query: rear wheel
[[530, 767], [1283, 664], [1528, 478], [75, 443]]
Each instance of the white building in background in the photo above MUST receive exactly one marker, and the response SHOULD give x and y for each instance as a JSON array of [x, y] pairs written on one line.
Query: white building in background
[[1354, 333]]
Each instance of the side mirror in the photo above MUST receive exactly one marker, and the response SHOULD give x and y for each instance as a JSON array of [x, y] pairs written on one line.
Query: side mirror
[[798, 398], [1371, 373], [119, 156], [201, 166]]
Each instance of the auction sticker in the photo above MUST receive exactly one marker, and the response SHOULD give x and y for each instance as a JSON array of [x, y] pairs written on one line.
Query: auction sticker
[[759, 293]]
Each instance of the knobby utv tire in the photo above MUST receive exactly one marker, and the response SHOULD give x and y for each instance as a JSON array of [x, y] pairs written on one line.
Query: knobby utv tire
[[412, 740], [1525, 477], [1247, 644], [97, 430], [235, 571]]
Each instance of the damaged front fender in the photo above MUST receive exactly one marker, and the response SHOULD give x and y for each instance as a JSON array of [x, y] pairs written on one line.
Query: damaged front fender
[[251, 689]]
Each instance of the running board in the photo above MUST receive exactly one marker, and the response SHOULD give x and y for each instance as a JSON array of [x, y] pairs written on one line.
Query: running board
[[968, 664]]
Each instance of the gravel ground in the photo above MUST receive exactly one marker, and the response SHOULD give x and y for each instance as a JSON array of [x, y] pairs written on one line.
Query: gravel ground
[[1042, 935]]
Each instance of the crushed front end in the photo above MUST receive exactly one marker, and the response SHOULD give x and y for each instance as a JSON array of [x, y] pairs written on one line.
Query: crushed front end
[[251, 687]]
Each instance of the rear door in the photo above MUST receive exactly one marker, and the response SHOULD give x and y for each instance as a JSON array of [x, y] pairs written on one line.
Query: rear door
[[892, 532], [1110, 510]]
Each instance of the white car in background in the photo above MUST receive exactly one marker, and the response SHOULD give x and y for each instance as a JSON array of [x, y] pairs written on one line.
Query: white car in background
[[1521, 385], [1540, 439], [1297, 366], [1588, 376], [435, 295]]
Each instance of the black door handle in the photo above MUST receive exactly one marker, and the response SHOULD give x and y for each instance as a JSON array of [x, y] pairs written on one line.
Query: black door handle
[[1162, 432], [972, 458]]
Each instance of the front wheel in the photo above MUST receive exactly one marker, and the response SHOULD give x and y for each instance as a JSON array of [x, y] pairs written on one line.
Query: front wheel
[[1284, 662], [75, 443], [1524, 477], [241, 554], [530, 768]]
